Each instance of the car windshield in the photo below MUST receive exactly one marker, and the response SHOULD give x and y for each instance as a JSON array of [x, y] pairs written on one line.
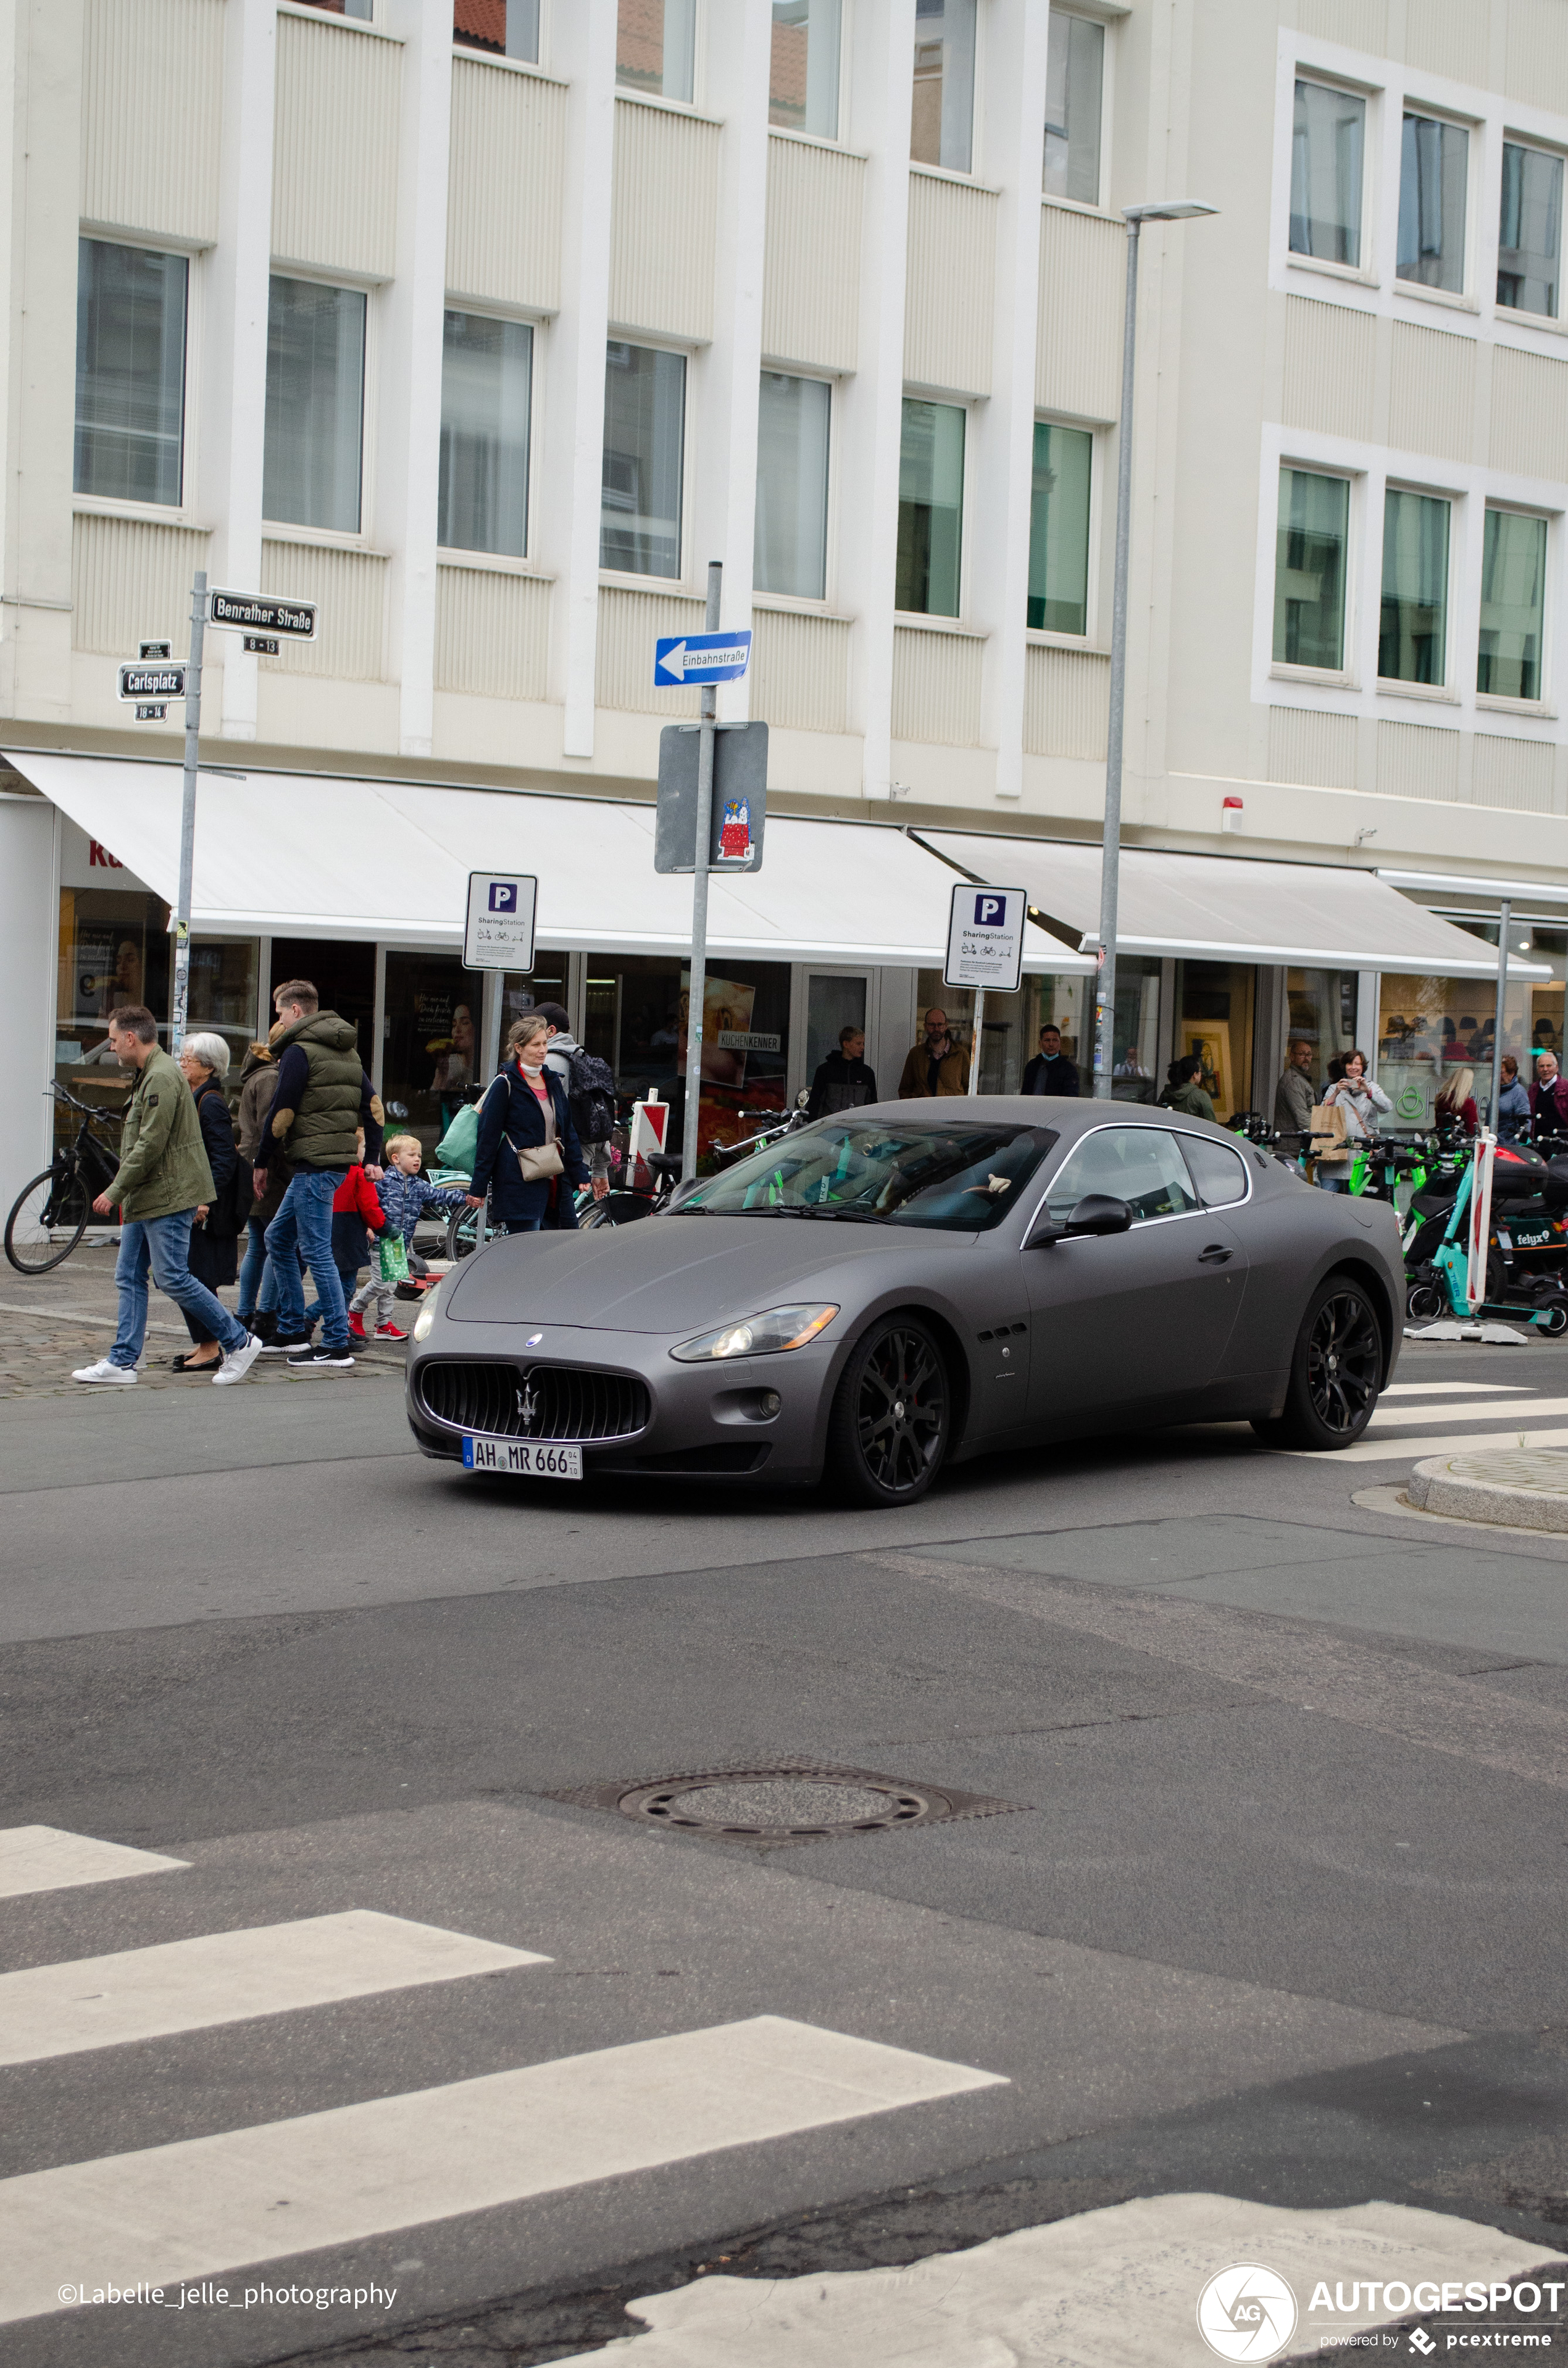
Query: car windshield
[[958, 1177]]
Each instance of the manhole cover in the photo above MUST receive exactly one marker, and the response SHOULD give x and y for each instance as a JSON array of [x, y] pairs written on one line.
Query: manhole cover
[[788, 1802]]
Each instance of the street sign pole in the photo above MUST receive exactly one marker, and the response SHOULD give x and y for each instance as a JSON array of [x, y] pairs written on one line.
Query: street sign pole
[[188, 815], [974, 1048], [698, 991]]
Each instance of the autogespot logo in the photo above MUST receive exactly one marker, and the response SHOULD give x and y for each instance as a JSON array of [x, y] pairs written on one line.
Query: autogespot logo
[[1246, 2313]]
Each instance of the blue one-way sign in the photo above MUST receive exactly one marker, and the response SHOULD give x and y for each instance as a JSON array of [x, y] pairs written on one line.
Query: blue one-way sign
[[700, 657]]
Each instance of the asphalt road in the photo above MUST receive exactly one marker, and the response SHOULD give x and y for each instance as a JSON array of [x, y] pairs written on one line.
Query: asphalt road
[[1266, 1901]]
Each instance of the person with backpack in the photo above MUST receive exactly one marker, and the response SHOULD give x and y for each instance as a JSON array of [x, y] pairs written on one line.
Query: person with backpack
[[589, 1084]]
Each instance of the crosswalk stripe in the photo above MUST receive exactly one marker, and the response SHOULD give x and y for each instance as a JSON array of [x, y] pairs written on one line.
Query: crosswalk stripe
[[207, 2204], [1375, 1449], [1453, 1389], [1483, 1410], [61, 2010], [44, 1858]]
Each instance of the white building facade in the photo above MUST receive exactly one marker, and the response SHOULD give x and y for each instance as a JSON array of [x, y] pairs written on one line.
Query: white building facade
[[486, 324]]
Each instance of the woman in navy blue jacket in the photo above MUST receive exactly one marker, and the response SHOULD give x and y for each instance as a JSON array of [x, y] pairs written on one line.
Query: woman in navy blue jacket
[[525, 1106]]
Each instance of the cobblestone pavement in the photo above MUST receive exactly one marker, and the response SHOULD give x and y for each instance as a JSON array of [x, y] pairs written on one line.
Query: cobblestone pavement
[[52, 1323]]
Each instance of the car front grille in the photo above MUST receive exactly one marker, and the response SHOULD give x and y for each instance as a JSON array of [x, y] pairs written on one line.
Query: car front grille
[[500, 1400]]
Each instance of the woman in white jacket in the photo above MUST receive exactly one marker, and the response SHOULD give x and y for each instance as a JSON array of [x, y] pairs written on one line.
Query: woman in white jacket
[[1360, 1098]]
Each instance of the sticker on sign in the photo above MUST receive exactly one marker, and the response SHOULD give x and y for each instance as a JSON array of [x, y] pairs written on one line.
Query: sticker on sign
[[498, 933], [700, 657], [985, 938]]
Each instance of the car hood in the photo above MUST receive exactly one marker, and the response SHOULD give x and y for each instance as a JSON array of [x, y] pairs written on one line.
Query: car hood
[[684, 1274]]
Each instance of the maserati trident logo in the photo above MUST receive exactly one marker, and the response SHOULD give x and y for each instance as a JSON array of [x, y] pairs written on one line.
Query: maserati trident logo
[[528, 1405]]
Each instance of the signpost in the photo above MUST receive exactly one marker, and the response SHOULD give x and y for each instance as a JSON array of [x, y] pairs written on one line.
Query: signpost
[[499, 931], [737, 807], [985, 948]]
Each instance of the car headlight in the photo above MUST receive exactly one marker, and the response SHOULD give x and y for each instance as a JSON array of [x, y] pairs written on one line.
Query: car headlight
[[759, 1336], [427, 1316]]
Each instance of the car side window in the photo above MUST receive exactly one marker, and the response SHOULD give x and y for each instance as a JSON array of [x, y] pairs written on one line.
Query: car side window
[[1140, 1165], [1219, 1172]]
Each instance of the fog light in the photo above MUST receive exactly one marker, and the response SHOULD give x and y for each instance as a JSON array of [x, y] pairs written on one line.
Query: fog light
[[770, 1402]]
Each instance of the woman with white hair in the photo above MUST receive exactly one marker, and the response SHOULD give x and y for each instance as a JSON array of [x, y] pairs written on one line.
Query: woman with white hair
[[214, 1257]]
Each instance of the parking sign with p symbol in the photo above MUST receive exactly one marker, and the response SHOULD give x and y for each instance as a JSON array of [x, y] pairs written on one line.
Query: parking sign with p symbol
[[503, 896], [990, 912]]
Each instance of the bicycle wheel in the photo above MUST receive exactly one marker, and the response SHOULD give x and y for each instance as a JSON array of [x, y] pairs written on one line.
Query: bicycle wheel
[[48, 1219], [467, 1230]]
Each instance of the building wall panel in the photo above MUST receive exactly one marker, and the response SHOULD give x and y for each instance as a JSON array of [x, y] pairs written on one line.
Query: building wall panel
[[1536, 67], [1313, 750], [936, 686], [1329, 359], [151, 112], [811, 285], [1448, 37], [629, 624], [350, 588], [664, 221], [335, 148], [799, 670], [950, 287], [1083, 269], [1432, 393], [1518, 774], [1530, 413], [1358, 24], [1416, 760], [1067, 701], [491, 632], [508, 163], [131, 579]]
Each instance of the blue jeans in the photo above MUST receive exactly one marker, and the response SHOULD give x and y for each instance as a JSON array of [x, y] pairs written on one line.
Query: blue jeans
[[163, 1243], [303, 1229], [252, 1271]]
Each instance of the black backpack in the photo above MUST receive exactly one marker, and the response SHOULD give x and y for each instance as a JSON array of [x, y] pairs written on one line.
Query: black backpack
[[590, 1089]]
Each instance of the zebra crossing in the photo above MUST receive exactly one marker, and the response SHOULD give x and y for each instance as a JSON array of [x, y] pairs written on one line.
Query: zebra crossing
[[198, 2207], [1415, 1420]]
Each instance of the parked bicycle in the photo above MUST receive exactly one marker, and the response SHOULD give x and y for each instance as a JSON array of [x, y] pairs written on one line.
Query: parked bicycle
[[50, 1215]]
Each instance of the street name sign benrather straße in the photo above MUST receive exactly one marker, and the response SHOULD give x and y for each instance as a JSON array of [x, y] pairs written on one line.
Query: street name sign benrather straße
[[986, 939], [261, 612], [499, 933]]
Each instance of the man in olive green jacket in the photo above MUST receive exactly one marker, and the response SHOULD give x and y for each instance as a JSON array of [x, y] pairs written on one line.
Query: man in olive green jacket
[[162, 1183]]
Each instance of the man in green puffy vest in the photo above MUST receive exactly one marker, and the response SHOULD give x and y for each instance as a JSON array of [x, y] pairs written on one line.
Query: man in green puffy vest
[[322, 1103]]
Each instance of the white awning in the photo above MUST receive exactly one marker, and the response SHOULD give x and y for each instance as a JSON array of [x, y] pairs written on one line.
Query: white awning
[[1228, 908], [310, 854]]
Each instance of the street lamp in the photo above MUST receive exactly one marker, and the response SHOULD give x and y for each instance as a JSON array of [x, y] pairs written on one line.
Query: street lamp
[[1168, 210]]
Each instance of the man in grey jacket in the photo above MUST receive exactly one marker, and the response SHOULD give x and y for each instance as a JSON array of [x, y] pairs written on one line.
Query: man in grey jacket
[[562, 1044], [1295, 1093]]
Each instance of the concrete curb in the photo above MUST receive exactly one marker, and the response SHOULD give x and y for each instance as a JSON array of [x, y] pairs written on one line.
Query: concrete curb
[[1520, 1487]]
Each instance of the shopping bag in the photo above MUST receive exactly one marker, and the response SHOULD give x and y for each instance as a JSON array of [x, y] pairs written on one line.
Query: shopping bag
[[459, 1147], [394, 1255], [1327, 1124]]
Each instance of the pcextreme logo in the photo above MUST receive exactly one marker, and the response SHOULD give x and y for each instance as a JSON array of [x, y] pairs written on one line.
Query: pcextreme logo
[[1246, 2312]]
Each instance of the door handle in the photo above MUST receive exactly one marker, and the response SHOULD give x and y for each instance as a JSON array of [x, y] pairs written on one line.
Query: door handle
[[1215, 1255]]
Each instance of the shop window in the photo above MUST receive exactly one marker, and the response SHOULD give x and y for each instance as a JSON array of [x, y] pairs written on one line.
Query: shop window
[[486, 373], [1214, 1020], [833, 1001], [1513, 605], [342, 970], [655, 47], [1433, 176], [930, 509], [1413, 631], [1327, 149], [635, 1017], [1320, 1014], [1309, 569], [1431, 1030], [941, 122], [644, 454], [501, 28], [364, 10], [791, 485], [114, 948], [429, 1056], [315, 406], [1059, 529], [1075, 87], [803, 84], [1529, 231], [1010, 1032], [131, 328]]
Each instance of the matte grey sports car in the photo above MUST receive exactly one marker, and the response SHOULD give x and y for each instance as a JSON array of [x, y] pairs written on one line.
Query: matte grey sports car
[[913, 1284]]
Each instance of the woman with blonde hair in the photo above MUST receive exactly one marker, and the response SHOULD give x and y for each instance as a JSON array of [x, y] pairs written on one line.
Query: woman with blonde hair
[[1455, 1105], [527, 1158]]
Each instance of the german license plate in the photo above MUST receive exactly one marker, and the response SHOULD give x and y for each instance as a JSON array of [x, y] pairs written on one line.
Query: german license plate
[[536, 1457]]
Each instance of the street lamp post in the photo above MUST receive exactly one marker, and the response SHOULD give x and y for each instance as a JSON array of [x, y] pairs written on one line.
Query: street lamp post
[[1168, 210]]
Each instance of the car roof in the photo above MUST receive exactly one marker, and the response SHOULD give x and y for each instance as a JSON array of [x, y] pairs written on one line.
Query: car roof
[[1067, 1115]]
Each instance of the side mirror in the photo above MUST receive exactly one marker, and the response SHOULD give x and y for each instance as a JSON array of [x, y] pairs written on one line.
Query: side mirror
[[1099, 1213]]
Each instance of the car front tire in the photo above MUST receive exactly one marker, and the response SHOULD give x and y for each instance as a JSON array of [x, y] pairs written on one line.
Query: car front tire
[[1335, 1371], [891, 1416]]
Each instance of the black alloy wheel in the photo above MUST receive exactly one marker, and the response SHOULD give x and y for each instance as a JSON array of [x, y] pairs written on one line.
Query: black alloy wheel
[[1335, 1371], [891, 1416], [48, 1219]]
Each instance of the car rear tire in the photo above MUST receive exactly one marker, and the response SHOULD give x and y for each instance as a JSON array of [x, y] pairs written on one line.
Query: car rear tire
[[891, 1416], [1335, 1371]]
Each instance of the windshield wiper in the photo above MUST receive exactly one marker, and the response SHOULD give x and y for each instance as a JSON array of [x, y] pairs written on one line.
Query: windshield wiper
[[844, 1217]]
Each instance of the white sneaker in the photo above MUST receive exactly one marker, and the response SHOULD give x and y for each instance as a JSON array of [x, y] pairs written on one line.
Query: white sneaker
[[238, 1362], [117, 1376]]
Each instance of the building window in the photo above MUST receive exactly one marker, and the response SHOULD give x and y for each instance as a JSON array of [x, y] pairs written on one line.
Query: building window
[[930, 509], [791, 485], [941, 123], [502, 28], [485, 372], [803, 86], [1513, 605], [1529, 231], [363, 9], [1434, 172], [1074, 84], [315, 406], [644, 435], [655, 47], [130, 372], [1412, 635], [1058, 529], [1326, 150], [1309, 569]]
